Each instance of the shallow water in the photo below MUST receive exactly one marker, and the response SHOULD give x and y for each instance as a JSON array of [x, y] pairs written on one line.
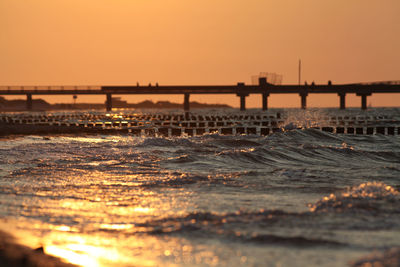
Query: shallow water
[[302, 197]]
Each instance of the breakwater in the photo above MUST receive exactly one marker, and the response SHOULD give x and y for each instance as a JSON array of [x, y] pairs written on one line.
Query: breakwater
[[181, 124]]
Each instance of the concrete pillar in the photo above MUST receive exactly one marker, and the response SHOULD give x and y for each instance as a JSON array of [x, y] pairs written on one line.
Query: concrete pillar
[[29, 101], [303, 100], [342, 100], [109, 102], [242, 95], [186, 103], [242, 102], [364, 100], [265, 101]]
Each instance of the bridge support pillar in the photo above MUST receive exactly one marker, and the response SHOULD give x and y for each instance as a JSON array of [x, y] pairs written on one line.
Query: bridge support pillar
[[109, 102], [364, 100], [29, 101], [242, 101], [342, 100], [242, 95], [303, 100], [186, 102], [265, 101]]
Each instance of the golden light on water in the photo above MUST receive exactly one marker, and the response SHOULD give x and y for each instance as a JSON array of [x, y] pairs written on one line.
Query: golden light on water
[[63, 228], [96, 225], [143, 210], [89, 251], [144, 250], [116, 226], [107, 232], [101, 249], [73, 256]]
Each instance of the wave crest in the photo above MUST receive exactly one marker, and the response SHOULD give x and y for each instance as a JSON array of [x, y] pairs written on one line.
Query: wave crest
[[164, 142], [390, 257], [366, 196]]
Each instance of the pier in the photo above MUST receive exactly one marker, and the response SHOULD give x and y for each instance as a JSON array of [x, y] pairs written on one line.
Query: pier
[[242, 90]]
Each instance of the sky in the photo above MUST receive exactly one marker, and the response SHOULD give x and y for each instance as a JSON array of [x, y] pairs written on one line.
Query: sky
[[177, 42]]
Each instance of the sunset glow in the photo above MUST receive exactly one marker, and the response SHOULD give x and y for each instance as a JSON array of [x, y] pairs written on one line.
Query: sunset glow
[[173, 42]]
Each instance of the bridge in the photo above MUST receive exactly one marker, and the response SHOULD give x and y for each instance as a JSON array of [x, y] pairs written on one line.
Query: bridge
[[240, 89]]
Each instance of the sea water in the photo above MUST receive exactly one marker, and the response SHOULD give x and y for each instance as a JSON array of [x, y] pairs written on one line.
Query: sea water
[[300, 197]]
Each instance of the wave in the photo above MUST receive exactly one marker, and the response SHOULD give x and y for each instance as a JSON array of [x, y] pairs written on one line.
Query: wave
[[164, 142], [309, 148], [292, 240], [236, 142], [177, 181], [387, 258], [373, 197], [182, 159], [235, 227], [373, 201]]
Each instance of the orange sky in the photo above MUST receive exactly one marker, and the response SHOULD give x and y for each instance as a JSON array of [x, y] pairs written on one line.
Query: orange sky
[[105, 42]]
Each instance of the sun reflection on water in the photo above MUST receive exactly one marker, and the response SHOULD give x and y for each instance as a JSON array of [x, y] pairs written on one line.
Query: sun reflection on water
[[99, 219], [98, 250], [105, 229], [75, 256]]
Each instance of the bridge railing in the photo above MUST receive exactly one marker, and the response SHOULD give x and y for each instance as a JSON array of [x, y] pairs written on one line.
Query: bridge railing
[[382, 82], [50, 88]]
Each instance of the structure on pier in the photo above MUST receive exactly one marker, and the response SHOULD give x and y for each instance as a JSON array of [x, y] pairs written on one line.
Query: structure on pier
[[272, 78], [264, 88]]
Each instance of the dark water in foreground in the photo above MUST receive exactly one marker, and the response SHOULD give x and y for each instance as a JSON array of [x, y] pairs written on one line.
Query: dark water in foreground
[[297, 198]]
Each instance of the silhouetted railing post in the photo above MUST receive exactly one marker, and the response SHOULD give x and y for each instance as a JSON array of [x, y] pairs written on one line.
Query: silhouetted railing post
[[29, 101], [186, 102], [342, 100], [109, 102]]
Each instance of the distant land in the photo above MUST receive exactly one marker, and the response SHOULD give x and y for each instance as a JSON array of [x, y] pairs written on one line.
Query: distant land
[[40, 104]]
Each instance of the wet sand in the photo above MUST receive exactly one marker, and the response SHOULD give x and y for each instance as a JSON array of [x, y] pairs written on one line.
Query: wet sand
[[13, 254]]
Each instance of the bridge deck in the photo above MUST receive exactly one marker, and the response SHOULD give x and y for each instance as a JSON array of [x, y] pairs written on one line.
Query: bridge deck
[[202, 89], [240, 89]]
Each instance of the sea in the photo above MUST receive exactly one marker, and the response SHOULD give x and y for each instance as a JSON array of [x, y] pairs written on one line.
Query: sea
[[308, 192]]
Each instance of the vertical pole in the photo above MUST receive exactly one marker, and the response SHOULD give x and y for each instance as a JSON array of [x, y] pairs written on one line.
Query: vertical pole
[[242, 102], [342, 100], [303, 100], [186, 103], [29, 101], [265, 101], [109, 102], [299, 71]]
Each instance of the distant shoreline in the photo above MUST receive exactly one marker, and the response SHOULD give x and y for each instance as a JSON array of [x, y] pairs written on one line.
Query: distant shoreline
[[42, 105]]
